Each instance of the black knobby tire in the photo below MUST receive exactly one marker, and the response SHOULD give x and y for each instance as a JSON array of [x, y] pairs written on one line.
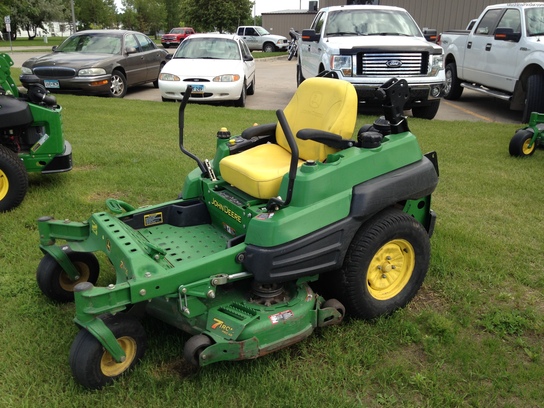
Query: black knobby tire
[[94, 367], [534, 101], [194, 347], [519, 144], [118, 86], [55, 283], [453, 88], [426, 112], [385, 265], [241, 101], [13, 180]]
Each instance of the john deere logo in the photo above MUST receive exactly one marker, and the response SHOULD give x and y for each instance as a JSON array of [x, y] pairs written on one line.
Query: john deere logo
[[393, 63]]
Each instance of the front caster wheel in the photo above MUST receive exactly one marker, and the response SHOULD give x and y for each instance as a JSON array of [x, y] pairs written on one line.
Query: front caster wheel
[[194, 347], [385, 265], [94, 367], [55, 283], [519, 144]]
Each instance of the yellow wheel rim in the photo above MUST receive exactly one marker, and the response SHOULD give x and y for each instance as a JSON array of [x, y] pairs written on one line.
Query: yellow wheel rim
[[4, 185], [526, 149], [390, 269], [68, 284], [110, 367]]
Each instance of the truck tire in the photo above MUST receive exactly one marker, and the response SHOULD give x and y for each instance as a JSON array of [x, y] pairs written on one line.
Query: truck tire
[[13, 180], [269, 47], [426, 112], [535, 97], [453, 88], [300, 77]]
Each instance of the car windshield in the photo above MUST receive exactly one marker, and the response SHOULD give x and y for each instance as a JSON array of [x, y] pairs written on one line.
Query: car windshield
[[371, 22], [534, 19], [92, 43], [208, 48]]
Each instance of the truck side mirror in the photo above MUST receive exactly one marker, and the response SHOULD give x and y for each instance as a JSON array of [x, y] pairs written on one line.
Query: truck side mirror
[[430, 34], [309, 35], [506, 34]]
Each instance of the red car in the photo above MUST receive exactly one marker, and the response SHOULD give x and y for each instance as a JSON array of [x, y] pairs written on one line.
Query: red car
[[176, 36]]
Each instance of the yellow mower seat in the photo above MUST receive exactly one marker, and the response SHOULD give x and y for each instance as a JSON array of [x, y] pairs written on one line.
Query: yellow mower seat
[[319, 103]]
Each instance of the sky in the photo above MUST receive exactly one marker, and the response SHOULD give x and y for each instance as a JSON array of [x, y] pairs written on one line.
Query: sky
[[265, 6]]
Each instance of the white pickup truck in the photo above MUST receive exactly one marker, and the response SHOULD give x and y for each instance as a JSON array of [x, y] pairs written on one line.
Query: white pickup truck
[[257, 38], [503, 56], [367, 46]]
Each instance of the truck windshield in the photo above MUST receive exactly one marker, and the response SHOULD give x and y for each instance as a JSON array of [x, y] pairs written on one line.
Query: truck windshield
[[534, 19], [371, 22], [261, 31]]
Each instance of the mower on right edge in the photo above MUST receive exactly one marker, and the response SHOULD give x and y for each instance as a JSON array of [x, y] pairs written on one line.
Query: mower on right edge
[[526, 140]]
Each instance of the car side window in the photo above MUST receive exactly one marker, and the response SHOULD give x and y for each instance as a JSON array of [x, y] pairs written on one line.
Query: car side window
[[241, 31], [511, 19], [145, 42], [130, 41], [251, 31], [488, 22], [318, 23], [245, 50]]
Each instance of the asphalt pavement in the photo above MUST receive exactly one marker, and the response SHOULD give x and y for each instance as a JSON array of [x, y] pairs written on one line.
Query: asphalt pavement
[[276, 84]]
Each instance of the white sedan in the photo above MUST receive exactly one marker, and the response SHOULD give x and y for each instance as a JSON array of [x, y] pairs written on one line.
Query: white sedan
[[219, 67]]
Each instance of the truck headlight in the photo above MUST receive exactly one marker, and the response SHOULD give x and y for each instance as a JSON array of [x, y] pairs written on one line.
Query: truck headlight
[[437, 63], [342, 63]]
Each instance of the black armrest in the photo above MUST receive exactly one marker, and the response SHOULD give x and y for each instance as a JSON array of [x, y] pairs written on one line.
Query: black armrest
[[327, 138], [259, 130]]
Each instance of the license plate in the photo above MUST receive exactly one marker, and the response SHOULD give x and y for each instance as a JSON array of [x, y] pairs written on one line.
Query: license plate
[[197, 89], [51, 83]]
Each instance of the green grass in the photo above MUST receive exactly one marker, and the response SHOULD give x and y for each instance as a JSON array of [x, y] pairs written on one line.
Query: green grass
[[472, 337]]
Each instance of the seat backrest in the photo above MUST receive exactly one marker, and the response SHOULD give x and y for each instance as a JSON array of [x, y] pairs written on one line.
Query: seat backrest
[[324, 104]]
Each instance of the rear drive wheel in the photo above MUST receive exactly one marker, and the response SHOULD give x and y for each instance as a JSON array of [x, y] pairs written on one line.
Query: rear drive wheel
[[13, 180], [94, 367], [426, 112], [535, 97], [453, 88], [194, 347], [118, 87], [385, 265], [519, 144], [55, 283]]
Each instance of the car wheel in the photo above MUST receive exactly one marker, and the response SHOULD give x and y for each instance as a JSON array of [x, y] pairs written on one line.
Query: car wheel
[[118, 87], [251, 89], [269, 47], [453, 88], [241, 102], [535, 97], [426, 112], [156, 81]]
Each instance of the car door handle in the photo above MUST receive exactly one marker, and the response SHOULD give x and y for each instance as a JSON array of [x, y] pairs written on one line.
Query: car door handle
[[488, 47], [469, 44]]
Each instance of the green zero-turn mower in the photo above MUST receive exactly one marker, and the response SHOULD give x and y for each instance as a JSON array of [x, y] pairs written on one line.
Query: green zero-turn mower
[[526, 140], [238, 259], [31, 138]]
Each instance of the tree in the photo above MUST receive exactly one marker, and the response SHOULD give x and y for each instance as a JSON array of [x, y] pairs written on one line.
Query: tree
[[95, 14], [215, 15], [30, 15], [146, 16], [172, 14]]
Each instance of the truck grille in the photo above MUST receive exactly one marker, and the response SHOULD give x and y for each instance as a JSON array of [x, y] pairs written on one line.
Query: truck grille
[[392, 64]]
